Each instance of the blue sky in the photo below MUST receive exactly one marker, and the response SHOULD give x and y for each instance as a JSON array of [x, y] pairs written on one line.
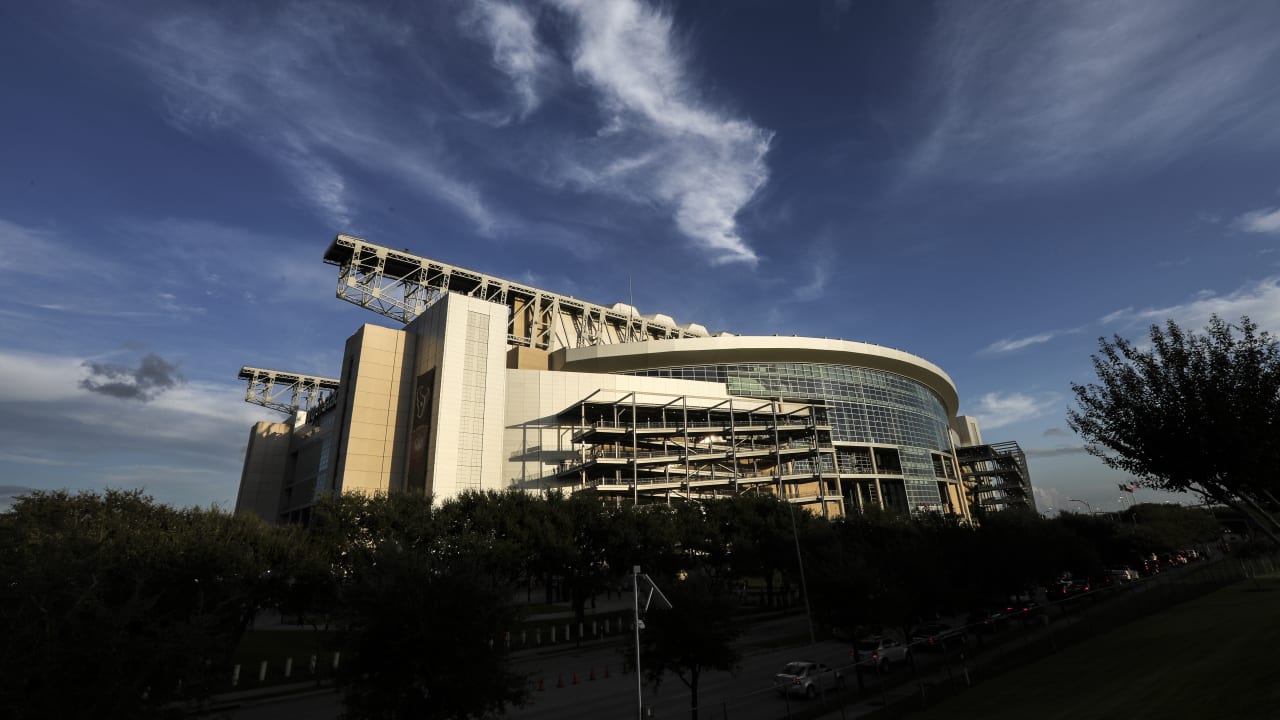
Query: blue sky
[[989, 185]]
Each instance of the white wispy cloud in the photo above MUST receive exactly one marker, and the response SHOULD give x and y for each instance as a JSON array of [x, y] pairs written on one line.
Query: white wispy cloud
[[1259, 300], [998, 409], [1050, 500], [198, 425], [1011, 344], [1050, 90], [660, 141], [53, 274], [511, 31], [300, 84], [1266, 220]]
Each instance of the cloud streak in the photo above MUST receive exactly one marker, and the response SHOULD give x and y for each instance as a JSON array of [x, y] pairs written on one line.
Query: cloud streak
[[998, 409], [1011, 345], [660, 142], [300, 85], [1054, 90], [511, 32], [1265, 221], [1259, 300]]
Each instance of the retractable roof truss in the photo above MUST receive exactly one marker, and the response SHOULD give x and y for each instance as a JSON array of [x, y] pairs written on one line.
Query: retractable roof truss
[[270, 388], [400, 285]]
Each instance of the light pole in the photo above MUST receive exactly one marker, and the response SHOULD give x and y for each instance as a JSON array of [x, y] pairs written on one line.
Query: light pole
[[1085, 503], [804, 588], [1133, 511]]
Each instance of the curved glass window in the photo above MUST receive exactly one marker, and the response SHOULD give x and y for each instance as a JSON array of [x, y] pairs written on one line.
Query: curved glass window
[[864, 405]]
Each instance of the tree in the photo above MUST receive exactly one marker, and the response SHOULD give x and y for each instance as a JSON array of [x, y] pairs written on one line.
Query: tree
[[420, 605], [115, 606], [695, 634], [1198, 413], [759, 533]]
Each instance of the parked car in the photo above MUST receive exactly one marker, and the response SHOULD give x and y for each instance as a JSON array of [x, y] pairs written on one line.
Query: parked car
[[986, 621], [808, 679], [880, 652], [1067, 589], [936, 636], [1122, 574], [1030, 613], [1078, 587]]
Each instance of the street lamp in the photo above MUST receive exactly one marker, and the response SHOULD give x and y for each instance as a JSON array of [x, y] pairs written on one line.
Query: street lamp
[[1083, 502]]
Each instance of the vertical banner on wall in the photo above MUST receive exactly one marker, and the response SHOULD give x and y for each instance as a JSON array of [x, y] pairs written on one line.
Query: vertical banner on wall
[[420, 430]]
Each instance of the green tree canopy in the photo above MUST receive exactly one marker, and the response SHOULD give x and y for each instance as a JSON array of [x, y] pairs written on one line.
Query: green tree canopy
[[422, 602], [115, 606], [1198, 413]]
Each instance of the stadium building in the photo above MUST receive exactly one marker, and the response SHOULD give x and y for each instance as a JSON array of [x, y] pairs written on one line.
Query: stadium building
[[493, 385]]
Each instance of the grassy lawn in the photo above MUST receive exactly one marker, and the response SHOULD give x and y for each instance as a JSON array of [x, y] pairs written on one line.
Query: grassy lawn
[[276, 645], [1214, 657]]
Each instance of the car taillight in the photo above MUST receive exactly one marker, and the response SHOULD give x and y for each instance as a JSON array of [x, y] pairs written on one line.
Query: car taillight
[[795, 681], [875, 655]]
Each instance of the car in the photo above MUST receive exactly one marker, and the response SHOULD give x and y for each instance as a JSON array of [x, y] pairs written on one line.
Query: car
[[807, 679], [1067, 589], [880, 652], [1122, 574], [1078, 587], [936, 636], [1030, 613], [986, 621]]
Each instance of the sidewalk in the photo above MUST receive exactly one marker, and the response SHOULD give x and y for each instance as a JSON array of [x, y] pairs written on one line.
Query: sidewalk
[[222, 702]]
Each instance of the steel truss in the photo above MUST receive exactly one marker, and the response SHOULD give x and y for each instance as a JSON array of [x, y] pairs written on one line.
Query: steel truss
[[656, 447], [400, 285], [996, 476], [268, 388]]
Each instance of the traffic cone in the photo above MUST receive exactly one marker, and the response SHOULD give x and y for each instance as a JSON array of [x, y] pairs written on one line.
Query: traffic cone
[[560, 680], [575, 678]]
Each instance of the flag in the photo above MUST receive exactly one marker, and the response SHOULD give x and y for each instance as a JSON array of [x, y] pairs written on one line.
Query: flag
[[1127, 488]]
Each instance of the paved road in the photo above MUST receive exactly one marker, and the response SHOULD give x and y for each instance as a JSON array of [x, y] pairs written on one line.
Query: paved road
[[746, 696]]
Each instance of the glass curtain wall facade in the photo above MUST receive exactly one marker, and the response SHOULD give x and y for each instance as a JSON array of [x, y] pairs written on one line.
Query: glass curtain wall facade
[[864, 406]]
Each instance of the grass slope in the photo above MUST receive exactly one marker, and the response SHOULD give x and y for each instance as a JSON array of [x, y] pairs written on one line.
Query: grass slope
[[1214, 657]]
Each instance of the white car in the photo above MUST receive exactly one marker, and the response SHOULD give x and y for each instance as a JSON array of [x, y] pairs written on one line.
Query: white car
[[1122, 574], [809, 679], [880, 652]]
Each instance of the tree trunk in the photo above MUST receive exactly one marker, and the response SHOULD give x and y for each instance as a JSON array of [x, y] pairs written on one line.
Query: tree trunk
[[693, 693], [1225, 497]]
